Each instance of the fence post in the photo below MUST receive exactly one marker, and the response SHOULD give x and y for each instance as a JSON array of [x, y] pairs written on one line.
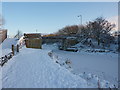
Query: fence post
[[13, 50], [17, 48]]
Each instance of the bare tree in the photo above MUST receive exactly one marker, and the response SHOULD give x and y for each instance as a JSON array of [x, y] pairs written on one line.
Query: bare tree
[[19, 34], [68, 30]]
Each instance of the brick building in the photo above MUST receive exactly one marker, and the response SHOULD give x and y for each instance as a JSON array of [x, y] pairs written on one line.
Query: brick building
[[3, 35]]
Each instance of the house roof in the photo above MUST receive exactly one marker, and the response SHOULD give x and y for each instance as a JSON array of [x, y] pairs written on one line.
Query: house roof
[[32, 35]]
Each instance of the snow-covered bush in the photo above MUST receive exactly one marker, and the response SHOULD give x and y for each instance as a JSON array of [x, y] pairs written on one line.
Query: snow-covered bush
[[66, 63]]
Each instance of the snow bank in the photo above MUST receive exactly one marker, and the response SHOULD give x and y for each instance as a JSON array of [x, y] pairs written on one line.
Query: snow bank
[[35, 69], [91, 79], [6, 45], [8, 42], [104, 65], [21, 41]]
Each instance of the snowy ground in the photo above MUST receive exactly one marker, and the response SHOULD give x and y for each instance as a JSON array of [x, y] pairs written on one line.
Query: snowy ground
[[34, 68], [38, 71], [5, 48], [104, 65]]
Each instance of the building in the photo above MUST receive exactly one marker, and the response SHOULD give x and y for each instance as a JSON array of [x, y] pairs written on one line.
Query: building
[[3, 35], [33, 40]]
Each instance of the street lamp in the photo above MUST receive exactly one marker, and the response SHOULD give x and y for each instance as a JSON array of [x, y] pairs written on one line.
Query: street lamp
[[36, 30], [80, 18]]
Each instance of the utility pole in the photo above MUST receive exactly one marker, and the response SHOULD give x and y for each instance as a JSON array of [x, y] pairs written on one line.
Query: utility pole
[[79, 31]]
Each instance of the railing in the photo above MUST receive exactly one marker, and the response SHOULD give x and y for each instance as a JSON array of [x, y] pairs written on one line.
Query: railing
[[4, 59]]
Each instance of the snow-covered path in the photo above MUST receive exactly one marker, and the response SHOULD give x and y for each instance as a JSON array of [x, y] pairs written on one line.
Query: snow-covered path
[[33, 68]]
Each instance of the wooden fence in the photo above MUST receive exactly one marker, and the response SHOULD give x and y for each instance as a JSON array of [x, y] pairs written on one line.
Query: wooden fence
[[4, 59]]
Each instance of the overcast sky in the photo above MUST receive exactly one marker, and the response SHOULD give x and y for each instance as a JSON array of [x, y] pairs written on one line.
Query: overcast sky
[[49, 17]]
